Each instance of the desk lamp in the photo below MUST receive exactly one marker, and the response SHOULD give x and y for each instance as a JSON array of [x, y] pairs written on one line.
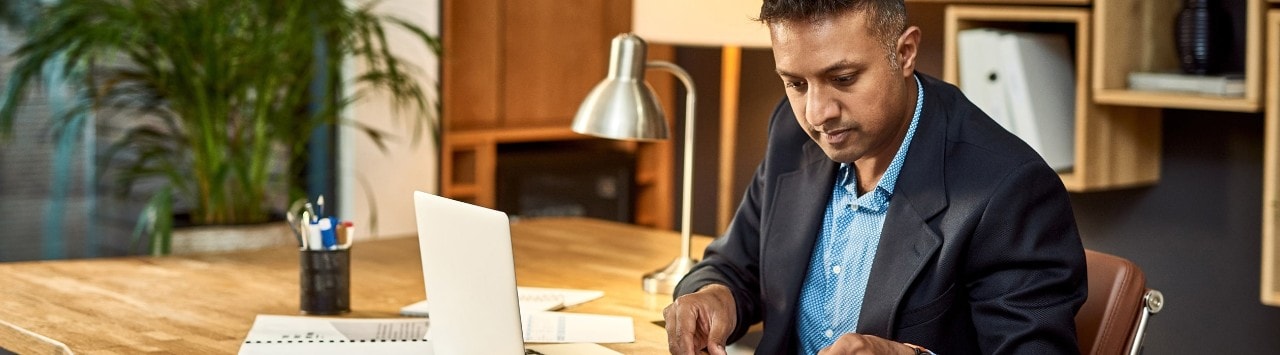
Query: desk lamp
[[624, 107]]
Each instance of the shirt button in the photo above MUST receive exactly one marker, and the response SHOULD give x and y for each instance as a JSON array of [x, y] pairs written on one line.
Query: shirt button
[[835, 269], [828, 333]]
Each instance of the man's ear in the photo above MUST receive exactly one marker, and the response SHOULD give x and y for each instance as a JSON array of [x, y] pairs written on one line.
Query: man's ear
[[908, 47]]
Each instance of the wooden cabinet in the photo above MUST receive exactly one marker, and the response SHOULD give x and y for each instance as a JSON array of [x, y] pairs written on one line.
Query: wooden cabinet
[[515, 71], [1114, 146]]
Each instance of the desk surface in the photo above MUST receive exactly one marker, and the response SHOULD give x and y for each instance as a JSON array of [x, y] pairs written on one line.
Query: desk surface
[[207, 303]]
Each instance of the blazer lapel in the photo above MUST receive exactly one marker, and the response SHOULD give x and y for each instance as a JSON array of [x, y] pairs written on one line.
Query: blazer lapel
[[801, 195], [907, 242]]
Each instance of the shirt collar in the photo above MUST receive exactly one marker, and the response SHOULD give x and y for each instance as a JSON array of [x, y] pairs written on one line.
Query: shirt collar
[[845, 177], [890, 178]]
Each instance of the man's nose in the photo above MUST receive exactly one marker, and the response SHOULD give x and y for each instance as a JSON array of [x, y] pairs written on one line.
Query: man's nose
[[820, 107]]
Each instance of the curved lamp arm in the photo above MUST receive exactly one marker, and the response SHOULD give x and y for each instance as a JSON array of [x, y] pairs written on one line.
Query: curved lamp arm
[[665, 280]]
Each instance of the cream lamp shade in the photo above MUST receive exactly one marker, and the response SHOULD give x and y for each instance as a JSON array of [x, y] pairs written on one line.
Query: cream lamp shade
[[700, 22]]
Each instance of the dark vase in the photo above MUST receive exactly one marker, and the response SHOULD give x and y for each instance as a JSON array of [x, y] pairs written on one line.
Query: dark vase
[[1195, 32]]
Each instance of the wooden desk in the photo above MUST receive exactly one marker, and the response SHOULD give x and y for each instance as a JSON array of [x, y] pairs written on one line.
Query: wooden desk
[[206, 303]]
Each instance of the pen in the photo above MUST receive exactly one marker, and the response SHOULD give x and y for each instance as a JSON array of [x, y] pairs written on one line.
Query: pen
[[314, 218], [349, 230], [327, 236], [314, 238], [342, 234], [305, 231]]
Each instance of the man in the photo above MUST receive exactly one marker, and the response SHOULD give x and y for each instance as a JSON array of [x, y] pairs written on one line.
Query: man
[[889, 216]]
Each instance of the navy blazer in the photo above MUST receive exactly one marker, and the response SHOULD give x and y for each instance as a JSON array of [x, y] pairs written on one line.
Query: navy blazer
[[979, 253]]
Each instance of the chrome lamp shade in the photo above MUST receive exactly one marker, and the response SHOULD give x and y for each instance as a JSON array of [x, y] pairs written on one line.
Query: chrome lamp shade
[[623, 106]]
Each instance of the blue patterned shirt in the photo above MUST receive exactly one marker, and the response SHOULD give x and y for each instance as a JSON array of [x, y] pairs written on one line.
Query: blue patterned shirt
[[831, 298]]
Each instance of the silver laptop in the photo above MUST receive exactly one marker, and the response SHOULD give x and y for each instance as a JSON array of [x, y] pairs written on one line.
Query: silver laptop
[[470, 278]]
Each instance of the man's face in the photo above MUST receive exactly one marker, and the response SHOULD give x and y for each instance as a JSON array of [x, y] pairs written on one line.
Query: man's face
[[846, 94]]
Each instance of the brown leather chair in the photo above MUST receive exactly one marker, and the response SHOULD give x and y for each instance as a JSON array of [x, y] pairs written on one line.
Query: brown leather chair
[[1114, 318]]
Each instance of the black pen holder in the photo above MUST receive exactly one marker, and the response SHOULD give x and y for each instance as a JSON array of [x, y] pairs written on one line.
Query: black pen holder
[[325, 281]]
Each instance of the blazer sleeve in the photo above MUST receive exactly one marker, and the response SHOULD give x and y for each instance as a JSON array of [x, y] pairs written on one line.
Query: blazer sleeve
[[1026, 272]]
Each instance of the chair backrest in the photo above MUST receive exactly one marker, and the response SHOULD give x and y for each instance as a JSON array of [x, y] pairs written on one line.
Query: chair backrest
[[1113, 318]]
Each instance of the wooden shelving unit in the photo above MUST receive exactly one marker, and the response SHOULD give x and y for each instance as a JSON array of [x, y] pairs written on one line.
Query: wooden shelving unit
[[514, 72], [1115, 147], [1270, 289], [1137, 35]]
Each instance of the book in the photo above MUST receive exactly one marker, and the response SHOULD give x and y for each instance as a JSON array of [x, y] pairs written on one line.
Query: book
[[1231, 85]]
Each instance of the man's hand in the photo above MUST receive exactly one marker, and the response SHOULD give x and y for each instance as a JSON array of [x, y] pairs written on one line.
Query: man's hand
[[701, 320], [858, 344]]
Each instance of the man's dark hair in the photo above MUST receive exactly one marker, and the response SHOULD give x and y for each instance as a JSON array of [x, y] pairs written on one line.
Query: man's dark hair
[[886, 18]]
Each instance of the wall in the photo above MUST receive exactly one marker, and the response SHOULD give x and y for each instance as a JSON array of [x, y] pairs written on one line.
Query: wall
[[391, 176], [1197, 235], [760, 92]]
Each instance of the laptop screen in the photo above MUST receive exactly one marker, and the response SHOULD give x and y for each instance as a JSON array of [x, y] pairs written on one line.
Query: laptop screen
[[469, 272]]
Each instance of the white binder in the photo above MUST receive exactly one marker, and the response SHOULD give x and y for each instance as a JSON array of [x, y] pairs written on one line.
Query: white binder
[[1033, 94], [980, 74]]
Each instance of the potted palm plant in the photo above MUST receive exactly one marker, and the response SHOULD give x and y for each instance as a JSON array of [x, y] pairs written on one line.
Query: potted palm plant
[[220, 96]]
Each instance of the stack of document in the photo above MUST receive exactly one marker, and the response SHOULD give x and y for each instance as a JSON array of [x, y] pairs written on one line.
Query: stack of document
[[532, 299], [1026, 83], [552, 332], [284, 335]]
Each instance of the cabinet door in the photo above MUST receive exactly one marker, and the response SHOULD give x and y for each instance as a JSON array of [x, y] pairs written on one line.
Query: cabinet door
[[555, 52], [525, 63]]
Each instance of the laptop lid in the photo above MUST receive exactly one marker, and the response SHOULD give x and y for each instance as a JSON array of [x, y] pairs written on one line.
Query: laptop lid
[[469, 272]]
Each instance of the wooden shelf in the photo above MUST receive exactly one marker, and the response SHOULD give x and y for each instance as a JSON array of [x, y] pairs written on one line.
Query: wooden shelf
[[1137, 35], [1270, 288], [1115, 147], [1173, 100]]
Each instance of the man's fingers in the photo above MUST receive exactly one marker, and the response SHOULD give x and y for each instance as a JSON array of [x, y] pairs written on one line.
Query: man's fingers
[[682, 328], [858, 344], [716, 349], [718, 332], [700, 320]]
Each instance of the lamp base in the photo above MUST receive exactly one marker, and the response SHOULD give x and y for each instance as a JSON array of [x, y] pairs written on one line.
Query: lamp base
[[664, 280]]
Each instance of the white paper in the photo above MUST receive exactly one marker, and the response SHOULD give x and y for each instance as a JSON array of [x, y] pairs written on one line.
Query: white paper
[[532, 299], [572, 349], [288, 335], [273, 334], [566, 296], [559, 327]]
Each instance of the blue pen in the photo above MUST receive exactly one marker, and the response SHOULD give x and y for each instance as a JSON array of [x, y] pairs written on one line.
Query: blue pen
[[328, 235]]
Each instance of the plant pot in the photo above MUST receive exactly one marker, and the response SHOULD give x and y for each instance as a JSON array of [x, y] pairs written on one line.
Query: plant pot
[[230, 238]]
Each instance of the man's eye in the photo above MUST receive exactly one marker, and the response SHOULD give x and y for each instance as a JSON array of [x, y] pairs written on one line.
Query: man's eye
[[794, 84], [844, 79]]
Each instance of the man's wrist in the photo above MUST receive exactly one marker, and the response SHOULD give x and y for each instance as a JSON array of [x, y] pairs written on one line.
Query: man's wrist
[[919, 350]]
